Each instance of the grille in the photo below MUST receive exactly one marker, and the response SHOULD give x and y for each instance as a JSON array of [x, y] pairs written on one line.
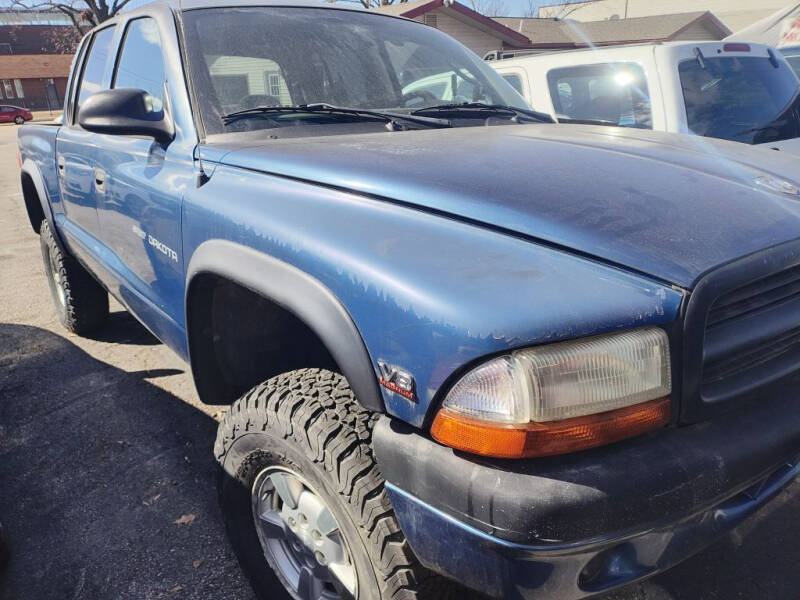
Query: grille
[[752, 336]]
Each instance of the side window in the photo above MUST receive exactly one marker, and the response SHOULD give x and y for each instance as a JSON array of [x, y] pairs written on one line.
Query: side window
[[515, 81], [141, 61], [613, 93], [794, 62], [95, 65]]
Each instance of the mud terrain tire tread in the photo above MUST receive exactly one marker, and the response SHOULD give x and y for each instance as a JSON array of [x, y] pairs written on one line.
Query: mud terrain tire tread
[[316, 411]]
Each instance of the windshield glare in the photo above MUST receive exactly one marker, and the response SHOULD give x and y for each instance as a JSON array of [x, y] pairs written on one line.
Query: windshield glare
[[270, 56], [744, 99]]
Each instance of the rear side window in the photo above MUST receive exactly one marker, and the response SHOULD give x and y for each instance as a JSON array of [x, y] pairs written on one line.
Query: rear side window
[[141, 61], [608, 93], [794, 62], [95, 65], [515, 81]]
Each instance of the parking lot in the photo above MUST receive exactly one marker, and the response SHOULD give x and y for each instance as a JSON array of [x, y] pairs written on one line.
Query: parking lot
[[107, 483]]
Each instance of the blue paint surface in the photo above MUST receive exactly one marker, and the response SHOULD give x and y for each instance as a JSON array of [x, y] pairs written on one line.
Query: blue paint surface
[[444, 246]]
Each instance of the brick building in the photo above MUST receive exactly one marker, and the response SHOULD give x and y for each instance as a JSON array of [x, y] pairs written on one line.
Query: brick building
[[35, 56], [36, 81]]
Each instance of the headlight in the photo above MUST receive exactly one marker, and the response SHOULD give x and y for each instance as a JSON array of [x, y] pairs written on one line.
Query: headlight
[[560, 397]]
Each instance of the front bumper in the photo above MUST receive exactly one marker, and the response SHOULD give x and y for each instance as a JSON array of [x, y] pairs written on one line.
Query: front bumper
[[576, 525]]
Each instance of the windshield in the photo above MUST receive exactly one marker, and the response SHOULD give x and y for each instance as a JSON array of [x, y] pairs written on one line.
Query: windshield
[[277, 56], [744, 99]]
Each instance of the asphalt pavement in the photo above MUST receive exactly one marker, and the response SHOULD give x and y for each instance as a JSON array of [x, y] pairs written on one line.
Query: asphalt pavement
[[107, 481]]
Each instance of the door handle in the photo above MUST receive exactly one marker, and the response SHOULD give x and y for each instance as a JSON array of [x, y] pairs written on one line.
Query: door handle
[[100, 181], [61, 163]]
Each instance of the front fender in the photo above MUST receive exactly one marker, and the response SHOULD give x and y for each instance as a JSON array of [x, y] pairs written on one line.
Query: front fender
[[300, 294], [428, 294]]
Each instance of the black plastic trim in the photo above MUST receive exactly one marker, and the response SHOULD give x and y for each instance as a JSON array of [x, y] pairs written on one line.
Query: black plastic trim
[[657, 477], [31, 169], [694, 406], [302, 295]]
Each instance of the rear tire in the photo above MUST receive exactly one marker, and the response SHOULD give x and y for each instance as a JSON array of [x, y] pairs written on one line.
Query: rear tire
[[308, 424], [81, 303], [19, 120]]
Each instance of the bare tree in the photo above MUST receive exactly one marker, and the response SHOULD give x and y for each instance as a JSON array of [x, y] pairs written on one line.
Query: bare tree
[[489, 8], [532, 9], [84, 14], [375, 3], [62, 40]]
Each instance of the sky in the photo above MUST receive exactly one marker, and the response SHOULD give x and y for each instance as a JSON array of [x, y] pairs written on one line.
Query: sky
[[514, 8], [506, 8]]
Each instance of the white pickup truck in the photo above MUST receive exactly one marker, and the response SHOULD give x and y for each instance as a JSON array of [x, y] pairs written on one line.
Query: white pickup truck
[[731, 90]]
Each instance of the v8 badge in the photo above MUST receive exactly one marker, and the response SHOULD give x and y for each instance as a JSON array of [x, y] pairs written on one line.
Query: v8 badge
[[397, 379]]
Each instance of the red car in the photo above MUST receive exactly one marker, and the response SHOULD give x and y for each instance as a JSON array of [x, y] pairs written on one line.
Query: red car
[[14, 114]]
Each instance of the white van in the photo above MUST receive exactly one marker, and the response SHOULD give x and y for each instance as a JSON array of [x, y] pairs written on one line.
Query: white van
[[731, 90]]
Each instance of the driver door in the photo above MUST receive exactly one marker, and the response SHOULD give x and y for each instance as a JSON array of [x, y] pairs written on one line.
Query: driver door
[[144, 182]]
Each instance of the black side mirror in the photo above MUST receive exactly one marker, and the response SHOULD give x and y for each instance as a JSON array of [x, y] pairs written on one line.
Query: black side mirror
[[126, 111]]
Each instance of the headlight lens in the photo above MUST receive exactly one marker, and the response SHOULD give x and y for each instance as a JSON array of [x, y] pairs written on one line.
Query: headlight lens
[[552, 387]]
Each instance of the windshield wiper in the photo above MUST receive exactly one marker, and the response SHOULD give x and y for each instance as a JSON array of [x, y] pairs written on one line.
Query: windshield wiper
[[572, 121], [392, 119], [482, 107]]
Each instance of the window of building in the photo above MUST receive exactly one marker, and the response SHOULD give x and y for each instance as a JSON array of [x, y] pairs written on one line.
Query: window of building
[[20, 91], [8, 89], [95, 65], [274, 84], [141, 61], [610, 93]]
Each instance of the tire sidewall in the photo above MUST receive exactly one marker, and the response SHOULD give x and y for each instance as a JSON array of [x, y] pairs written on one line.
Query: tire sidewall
[[19, 120], [48, 247], [244, 460]]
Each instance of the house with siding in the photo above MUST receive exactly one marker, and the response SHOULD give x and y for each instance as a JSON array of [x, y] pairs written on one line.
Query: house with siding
[[566, 34], [477, 32], [500, 35]]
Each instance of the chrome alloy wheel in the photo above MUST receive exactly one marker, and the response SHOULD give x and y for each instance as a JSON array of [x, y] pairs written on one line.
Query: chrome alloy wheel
[[300, 535]]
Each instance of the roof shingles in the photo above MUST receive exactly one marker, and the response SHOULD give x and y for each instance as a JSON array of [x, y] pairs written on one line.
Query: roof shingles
[[568, 32]]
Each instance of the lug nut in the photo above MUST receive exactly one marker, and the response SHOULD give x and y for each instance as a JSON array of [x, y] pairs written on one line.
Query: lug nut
[[316, 535], [320, 557], [302, 518], [291, 521]]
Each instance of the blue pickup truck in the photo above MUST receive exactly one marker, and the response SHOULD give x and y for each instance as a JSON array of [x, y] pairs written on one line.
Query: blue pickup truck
[[459, 342]]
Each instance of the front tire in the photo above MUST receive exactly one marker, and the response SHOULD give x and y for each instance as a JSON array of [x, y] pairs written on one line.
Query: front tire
[[299, 439], [81, 303], [19, 120]]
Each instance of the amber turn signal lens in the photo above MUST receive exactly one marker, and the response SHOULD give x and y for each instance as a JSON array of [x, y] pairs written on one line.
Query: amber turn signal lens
[[553, 437]]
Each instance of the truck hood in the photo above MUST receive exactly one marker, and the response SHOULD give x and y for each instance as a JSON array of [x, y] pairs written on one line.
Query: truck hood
[[666, 205], [791, 146]]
